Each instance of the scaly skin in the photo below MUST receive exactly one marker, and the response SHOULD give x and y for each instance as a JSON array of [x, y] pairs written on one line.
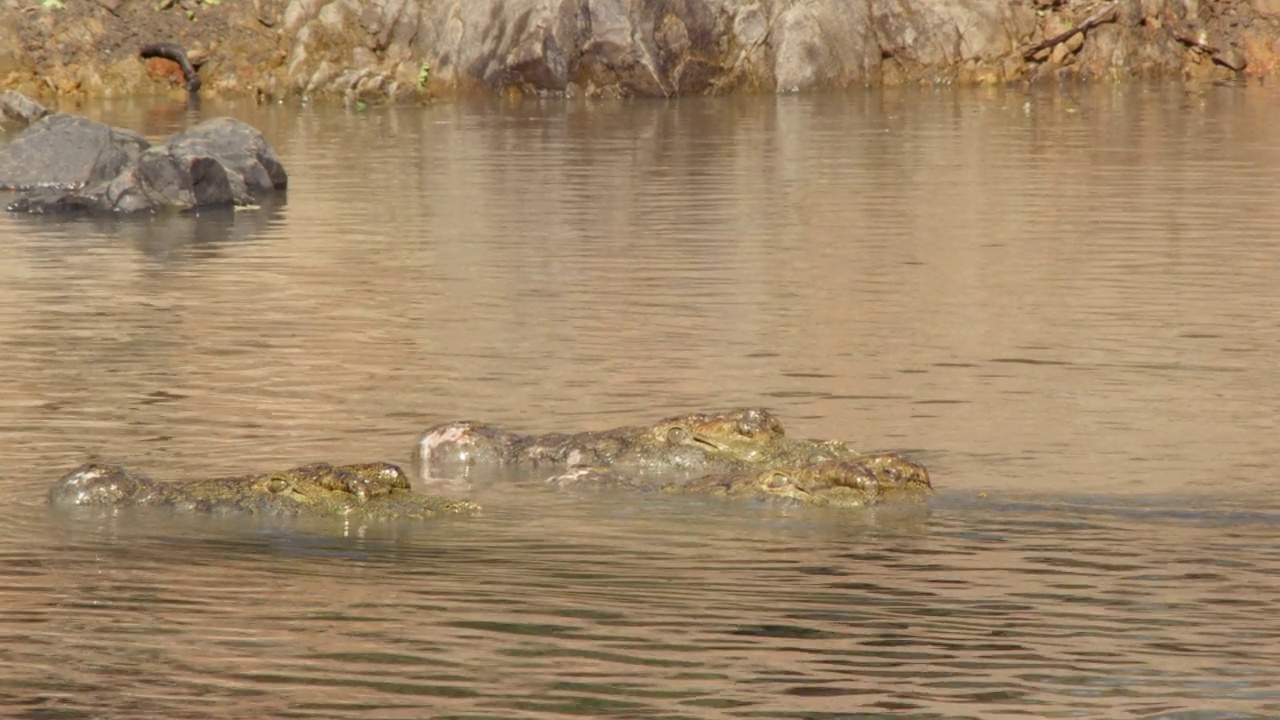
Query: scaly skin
[[682, 445], [873, 479], [368, 491]]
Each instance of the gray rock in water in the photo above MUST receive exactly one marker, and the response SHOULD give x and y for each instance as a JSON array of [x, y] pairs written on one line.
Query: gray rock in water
[[49, 201], [252, 167], [16, 106], [67, 152], [162, 179], [80, 166]]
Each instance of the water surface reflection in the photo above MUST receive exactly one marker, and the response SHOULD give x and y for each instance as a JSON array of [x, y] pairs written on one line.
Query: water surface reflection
[[595, 608], [1064, 301]]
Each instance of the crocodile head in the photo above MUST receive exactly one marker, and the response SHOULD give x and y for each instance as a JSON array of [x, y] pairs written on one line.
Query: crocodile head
[[743, 432], [869, 481]]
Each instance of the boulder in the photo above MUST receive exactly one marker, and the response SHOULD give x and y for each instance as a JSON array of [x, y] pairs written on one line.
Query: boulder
[[73, 165], [14, 106], [67, 152], [252, 167]]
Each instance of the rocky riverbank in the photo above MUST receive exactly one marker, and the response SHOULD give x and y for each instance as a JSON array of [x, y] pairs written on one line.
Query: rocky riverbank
[[378, 50]]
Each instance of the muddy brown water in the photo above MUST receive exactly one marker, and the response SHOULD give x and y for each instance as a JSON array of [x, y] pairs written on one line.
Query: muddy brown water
[[1066, 304]]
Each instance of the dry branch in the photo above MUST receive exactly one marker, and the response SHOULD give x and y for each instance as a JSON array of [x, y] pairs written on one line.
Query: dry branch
[[1106, 14], [1230, 58]]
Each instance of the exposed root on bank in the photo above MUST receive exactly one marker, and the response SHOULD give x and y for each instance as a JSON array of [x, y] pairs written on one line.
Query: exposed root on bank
[[169, 51]]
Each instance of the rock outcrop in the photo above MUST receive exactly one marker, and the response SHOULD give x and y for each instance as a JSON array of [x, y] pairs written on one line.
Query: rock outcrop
[[71, 164], [379, 49], [683, 47]]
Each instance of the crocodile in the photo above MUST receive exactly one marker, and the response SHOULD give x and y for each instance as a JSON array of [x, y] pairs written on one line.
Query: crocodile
[[872, 479], [681, 446], [372, 491], [696, 442]]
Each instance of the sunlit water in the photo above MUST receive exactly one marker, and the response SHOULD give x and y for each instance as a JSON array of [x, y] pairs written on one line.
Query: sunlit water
[[1064, 303]]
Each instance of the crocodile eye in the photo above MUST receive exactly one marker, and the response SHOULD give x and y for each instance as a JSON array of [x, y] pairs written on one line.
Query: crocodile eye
[[276, 486], [677, 434], [777, 480]]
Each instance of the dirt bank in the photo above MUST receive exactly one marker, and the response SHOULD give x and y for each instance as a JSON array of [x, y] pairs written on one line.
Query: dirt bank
[[375, 50]]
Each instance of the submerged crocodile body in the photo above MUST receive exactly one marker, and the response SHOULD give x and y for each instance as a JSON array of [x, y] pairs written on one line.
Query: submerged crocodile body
[[739, 453], [368, 491], [872, 479]]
